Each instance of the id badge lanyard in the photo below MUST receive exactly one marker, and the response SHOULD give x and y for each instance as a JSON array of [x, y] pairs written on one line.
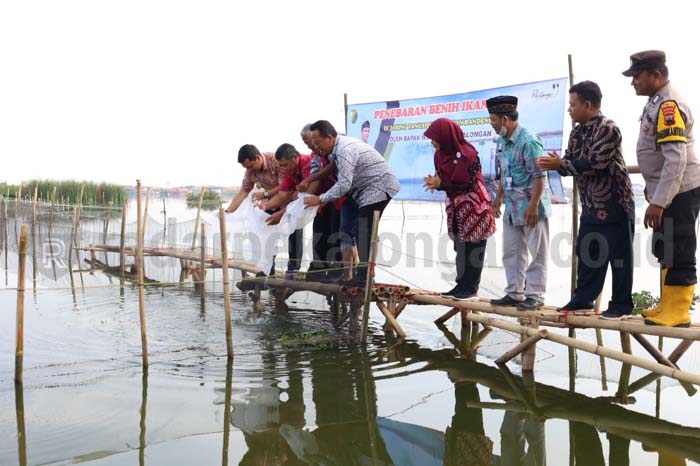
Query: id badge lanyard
[[507, 178]]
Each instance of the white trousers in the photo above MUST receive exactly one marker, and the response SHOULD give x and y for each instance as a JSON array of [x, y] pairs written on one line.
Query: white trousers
[[526, 280]]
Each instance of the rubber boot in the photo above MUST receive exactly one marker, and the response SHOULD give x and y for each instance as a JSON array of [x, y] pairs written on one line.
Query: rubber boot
[[653, 312], [676, 312]]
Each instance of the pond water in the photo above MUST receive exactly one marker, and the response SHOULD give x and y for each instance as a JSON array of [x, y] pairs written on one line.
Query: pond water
[[299, 391]]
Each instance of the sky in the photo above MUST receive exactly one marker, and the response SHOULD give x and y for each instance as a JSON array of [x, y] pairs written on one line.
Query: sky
[[167, 91]]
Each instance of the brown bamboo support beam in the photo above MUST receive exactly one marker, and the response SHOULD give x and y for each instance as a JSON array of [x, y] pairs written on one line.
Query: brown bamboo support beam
[[139, 272], [522, 346], [591, 348], [651, 349], [19, 321], [528, 355], [548, 318], [603, 369], [477, 339], [390, 318], [300, 285], [227, 290], [122, 243], [661, 359], [370, 278], [401, 306], [446, 316], [674, 357]]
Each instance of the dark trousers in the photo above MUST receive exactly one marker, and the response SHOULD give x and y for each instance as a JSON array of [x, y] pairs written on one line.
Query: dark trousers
[[597, 246], [296, 250], [470, 263], [326, 242], [365, 222], [674, 242]]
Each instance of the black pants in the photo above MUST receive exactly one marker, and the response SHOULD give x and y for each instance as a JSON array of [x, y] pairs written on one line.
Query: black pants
[[296, 250], [364, 233], [470, 263], [326, 242], [597, 246], [674, 242]]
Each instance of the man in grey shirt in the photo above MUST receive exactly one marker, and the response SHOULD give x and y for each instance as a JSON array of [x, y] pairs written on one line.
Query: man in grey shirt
[[671, 171], [363, 174]]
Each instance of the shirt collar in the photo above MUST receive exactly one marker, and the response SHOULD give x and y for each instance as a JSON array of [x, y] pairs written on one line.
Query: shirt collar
[[660, 92], [593, 121], [516, 134]]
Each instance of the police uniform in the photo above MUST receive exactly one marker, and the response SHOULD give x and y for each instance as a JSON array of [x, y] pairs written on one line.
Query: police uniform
[[671, 171]]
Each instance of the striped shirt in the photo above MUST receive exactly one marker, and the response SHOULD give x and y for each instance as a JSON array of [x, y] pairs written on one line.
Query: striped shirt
[[362, 173]]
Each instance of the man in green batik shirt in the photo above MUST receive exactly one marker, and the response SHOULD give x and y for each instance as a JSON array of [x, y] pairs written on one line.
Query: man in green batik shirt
[[523, 186]]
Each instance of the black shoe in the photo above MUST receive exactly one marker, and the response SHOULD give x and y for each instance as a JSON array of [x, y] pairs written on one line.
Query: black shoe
[[530, 304], [450, 294], [505, 301], [573, 307], [463, 295], [614, 314]]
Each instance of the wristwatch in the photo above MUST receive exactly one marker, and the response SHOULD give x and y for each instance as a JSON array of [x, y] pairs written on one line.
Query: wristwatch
[[266, 195]]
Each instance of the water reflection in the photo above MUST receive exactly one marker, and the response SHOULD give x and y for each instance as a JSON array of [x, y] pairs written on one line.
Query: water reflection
[[21, 431]]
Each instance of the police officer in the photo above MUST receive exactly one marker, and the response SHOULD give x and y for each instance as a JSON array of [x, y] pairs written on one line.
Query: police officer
[[671, 172]]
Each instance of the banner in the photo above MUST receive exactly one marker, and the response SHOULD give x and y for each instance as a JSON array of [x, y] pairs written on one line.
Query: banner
[[395, 129]]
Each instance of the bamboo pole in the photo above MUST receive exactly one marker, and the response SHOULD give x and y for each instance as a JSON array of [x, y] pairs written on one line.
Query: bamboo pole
[[674, 357], [36, 196], [145, 216], [19, 340], [53, 201], [122, 239], [3, 220], [528, 356], [227, 291], [522, 346], [139, 274], [105, 230], [196, 220], [6, 238], [390, 317], [202, 254], [590, 348], [369, 279], [80, 199], [72, 240], [631, 326], [446, 316], [661, 359], [17, 201]]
